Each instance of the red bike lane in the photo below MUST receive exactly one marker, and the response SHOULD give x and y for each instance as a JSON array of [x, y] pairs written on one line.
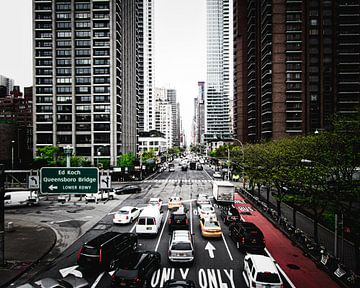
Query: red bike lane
[[300, 269]]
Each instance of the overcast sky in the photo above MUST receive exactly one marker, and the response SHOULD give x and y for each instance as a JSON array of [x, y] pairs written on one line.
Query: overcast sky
[[180, 47]]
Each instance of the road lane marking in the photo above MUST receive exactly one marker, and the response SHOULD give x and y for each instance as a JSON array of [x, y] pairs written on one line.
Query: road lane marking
[[210, 249], [227, 247], [191, 218], [279, 268], [71, 270], [162, 230], [97, 280]]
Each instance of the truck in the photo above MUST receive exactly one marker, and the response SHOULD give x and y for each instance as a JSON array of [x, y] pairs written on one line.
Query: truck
[[223, 192], [20, 198]]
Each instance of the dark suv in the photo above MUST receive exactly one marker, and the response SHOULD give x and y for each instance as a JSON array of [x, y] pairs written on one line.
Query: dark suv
[[247, 236], [178, 219], [229, 214], [104, 250], [136, 269]]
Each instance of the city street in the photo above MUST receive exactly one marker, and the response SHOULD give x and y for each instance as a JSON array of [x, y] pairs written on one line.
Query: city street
[[220, 266]]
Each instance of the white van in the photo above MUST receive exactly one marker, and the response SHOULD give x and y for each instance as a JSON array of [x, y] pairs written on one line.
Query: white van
[[149, 221], [260, 271], [20, 198], [100, 195]]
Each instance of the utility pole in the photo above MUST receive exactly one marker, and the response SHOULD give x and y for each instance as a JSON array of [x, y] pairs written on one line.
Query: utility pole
[[2, 215]]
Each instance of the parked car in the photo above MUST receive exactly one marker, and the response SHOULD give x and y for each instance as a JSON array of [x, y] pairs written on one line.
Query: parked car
[[247, 236], [173, 283], [157, 202], [181, 247], [149, 221], [199, 166], [136, 270], [69, 281], [206, 210], [229, 214], [210, 227], [128, 189], [126, 214], [174, 202], [202, 199], [103, 250], [260, 271], [178, 219], [99, 196]]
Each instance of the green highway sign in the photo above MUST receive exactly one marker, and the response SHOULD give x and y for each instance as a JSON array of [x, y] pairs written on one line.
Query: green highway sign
[[62, 180]]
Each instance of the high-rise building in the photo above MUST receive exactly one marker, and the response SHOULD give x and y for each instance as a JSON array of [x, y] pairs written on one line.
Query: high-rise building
[[87, 75], [171, 98], [199, 115], [219, 66], [296, 64], [147, 120], [7, 83]]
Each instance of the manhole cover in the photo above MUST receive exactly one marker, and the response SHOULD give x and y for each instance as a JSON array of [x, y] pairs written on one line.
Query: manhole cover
[[293, 266]]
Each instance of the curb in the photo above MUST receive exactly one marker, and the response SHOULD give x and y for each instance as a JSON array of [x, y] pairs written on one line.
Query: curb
[[34, 263]]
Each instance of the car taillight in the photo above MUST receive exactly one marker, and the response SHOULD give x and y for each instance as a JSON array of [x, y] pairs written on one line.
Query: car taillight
[[242, 240], [187, 221], [169, 221], [127, 217], [79, 252], [137, 279], [100, 256]]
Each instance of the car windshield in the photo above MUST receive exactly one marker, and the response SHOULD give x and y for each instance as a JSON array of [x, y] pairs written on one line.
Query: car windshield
[[207, 208], [267, 277], [89, 250], [181, 246], [141, 221], [211, 224], [123, 212], [179, 217]]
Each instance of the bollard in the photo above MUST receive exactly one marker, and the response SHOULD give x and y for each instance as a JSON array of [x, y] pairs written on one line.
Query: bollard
[[10, 227]]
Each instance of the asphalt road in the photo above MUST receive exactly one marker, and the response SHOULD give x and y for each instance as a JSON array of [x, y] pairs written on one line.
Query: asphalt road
[[222, 269]]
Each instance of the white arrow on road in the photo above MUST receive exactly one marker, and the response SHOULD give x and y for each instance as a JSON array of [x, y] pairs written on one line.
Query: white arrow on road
[[71, 270], [211, 249], [52, 187]]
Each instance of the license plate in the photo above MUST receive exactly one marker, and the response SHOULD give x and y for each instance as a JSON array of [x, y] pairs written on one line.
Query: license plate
[[148, 228], [123, 284]]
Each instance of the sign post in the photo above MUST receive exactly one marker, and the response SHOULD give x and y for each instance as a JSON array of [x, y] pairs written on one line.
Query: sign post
[[61, 180]]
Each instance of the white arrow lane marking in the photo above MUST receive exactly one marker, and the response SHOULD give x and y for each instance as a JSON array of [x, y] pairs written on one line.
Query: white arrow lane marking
[[97, 280], [211, 249], [71, 270], [52, 187]]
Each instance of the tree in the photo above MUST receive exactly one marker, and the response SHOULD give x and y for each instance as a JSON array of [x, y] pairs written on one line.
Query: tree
[[48, 156], [126, 160]]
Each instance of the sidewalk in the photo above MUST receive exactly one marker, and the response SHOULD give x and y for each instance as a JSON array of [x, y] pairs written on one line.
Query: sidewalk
[[24, 245], [300, 269]]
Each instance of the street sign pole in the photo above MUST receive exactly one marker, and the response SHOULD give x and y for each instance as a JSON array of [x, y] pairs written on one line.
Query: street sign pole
[[2, 215]]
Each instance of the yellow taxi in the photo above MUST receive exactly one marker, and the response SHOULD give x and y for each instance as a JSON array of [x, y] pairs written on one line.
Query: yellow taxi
[[174, 202], [210, 227]]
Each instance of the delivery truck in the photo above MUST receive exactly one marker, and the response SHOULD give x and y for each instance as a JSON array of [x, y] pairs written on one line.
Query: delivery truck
[[223, 192]]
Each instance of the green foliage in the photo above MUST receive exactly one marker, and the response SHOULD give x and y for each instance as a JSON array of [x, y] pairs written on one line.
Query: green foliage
[[149, 154], [126, 160]]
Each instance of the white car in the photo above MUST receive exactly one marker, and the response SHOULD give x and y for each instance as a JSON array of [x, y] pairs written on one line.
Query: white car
[[217, 174], [157, 202], [206, 210], [96, 197], [126, 214], [260, 271]]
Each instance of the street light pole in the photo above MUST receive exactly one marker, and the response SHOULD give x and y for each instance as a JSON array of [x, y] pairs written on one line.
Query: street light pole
[[12, 154], [68, 152]]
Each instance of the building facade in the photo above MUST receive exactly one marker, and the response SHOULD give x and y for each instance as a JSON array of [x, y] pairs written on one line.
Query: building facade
[[219, 66], [86, 76], [7, 84], [147, 121], [296, 64], [198, 127]]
